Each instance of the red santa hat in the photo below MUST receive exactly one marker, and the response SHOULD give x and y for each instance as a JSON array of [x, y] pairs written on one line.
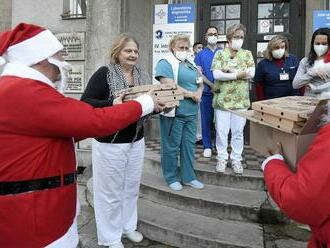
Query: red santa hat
[[27, 44]]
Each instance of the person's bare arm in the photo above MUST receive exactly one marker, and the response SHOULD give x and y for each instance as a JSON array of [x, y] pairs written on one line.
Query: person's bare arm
[[205, 79]]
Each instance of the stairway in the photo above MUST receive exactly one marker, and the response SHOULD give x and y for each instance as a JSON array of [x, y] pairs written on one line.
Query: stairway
[[231, 211]]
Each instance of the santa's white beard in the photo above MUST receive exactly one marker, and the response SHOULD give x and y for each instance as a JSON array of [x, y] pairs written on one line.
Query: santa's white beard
[[60, 86], [63, 67]]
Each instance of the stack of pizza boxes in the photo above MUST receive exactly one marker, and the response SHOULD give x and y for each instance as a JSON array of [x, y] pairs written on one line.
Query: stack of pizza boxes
[[293, 121], [168, 94]]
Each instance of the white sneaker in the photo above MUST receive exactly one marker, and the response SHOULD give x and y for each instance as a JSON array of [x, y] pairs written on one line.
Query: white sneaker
[[117, 245], [237, 166], [221, 166], [195, 184], [207, 153], [175, 186], [134, 236]]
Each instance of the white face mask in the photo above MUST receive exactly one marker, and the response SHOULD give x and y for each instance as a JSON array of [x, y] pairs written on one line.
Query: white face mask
[[64, 68], [181, 55], [320, 49], [212, 40], [278, 53], [236, 44]]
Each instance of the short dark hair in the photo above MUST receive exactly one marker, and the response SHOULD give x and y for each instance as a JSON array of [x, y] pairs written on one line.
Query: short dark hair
[[211, 26], [197, 43], [312, 54]]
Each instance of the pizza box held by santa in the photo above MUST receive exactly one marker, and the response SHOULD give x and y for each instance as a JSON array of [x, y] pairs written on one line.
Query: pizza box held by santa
[[293, 121]]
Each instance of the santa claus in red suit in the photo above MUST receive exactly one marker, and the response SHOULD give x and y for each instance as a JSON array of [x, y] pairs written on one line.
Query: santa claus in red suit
[[37, 128], [305, 195]]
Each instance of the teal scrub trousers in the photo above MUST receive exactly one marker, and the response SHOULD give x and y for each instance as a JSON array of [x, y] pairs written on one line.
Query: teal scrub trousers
[[178, 136]]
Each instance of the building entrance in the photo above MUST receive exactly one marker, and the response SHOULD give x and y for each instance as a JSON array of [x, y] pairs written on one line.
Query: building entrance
[[262, 18]]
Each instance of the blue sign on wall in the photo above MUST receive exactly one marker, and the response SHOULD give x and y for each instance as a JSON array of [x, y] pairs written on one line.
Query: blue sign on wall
[[321, 19], [181, 13]]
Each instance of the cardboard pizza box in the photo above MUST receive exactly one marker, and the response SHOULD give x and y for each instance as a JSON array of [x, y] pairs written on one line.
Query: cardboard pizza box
[[163, 99], [168, 94], [146, 88], [280, 122], [164, 93], [265, 135], [295, 108]]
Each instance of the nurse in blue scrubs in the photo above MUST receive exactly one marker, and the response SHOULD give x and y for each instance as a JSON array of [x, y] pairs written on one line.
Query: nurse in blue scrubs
[[276, 71], [178, 127]]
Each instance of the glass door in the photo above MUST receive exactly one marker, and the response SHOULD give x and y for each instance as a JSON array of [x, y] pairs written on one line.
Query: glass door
[[221, 14]]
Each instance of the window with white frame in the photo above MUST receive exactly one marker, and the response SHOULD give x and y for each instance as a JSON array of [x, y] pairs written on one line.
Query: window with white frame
[[74, 9]]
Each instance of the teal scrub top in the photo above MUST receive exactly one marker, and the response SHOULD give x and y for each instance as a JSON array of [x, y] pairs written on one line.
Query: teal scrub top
[[186, 79]]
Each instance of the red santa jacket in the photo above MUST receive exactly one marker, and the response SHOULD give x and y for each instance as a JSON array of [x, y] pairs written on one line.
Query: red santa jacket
[[36, 128], [305, 195]]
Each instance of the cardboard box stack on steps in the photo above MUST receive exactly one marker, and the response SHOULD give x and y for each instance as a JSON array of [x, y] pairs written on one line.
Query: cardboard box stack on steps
[[169, 94], [293, 121]]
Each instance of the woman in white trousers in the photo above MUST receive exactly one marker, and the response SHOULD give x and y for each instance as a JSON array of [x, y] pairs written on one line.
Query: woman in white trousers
[[117, 159], [232, 68]]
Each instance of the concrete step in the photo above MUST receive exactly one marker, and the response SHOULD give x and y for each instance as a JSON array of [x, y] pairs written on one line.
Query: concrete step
[[291, 233], [212, 201], [187, 230], [251, 179]]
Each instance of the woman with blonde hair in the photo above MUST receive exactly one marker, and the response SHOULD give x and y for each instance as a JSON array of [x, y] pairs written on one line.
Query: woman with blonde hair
[[178, 127], [117, 159], [277, 70], [232, 69]]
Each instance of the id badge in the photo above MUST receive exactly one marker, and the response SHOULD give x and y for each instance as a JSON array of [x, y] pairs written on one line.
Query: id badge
[[284, 76]]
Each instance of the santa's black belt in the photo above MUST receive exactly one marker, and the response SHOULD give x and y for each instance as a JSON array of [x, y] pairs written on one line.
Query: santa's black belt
[[17, 187]]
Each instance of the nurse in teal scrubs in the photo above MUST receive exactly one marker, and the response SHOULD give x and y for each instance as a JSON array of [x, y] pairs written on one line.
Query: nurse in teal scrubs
[[178, 127]]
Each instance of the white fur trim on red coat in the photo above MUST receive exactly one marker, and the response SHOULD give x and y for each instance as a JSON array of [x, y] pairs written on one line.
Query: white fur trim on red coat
[[2, 61], [147, 104], [275, 156], [22, 71]]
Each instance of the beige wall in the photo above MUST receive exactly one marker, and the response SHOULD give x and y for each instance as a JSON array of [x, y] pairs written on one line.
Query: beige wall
[[137, 20], [5, 15], [46, 13], [103, 25]]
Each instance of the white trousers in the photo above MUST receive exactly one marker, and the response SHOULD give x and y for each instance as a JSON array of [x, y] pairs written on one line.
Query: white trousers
[[225, 121], [117, 170], [70, 239]]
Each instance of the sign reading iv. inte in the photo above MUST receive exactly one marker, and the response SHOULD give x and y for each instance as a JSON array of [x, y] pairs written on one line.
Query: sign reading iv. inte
[[170, 20]]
